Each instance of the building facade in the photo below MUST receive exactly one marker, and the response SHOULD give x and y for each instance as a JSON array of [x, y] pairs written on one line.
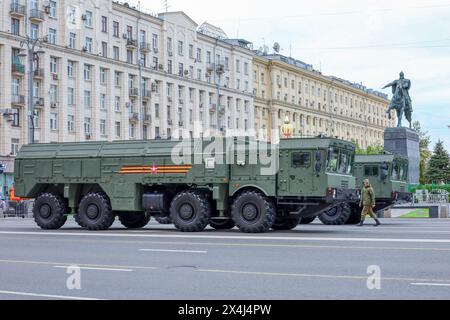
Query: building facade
[[105, 70], [316, 104]]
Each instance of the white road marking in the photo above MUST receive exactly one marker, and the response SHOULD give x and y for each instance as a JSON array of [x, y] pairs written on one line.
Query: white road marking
[[173, 251], [431, 284], [81, 265], [227, 237], [41, 295], [98, 269]]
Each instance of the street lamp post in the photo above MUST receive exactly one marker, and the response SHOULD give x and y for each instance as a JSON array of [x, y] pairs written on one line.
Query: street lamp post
[[30, 44]]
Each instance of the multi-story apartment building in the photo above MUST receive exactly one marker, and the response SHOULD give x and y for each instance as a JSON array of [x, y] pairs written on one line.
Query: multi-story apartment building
[[108, 71], [316, 104]]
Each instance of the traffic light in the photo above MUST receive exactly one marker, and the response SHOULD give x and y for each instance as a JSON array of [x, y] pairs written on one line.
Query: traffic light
[[2, 168]]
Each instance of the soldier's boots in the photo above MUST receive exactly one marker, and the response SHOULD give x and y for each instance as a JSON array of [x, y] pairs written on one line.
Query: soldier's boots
[[378, 223], [361, 224]]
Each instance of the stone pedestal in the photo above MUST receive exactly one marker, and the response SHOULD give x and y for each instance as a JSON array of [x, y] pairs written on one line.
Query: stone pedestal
[[405, 142]]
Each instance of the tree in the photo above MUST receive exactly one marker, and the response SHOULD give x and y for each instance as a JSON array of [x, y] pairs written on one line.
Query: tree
[[439, 165], [375, 149], [425, 153]]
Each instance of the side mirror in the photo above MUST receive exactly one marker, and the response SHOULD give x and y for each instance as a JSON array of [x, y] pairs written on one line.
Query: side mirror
[[384, 171]]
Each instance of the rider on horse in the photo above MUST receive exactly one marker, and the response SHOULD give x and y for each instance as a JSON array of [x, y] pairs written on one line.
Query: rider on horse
[[401, 101]]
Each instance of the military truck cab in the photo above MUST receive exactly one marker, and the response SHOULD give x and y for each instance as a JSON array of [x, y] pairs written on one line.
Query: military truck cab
[[136, 180], [388, 176]]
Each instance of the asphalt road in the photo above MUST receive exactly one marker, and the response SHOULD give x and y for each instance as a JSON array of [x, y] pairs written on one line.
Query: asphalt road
[[311, 262]]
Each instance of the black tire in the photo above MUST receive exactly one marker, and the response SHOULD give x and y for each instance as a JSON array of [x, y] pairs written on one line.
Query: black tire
[[94, 212], [307, 220], [253, 213], [134, 220], [282, 224], [355, 216], [336, 216], [190, 211], [222, 224], [50, 211], [166, 220]]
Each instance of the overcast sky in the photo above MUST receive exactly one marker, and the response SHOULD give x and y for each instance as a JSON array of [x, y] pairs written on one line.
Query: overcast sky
[[358, 40]]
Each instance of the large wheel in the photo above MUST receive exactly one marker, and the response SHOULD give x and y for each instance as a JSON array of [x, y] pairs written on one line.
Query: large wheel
[[355, 216], [338, 215], [253, 213], [285, 223], [134, 220], [94, 212], [307, 220], [50, 211], [222, 224], [164, 220], [190, 211]]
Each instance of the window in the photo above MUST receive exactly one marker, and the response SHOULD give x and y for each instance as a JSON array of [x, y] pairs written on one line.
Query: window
[[301, 159], [246, 68], [87, 125], [88, 21], [103, 127], [117, 104], [199, 55], [104, 49], [238, 66], [227, 63], [117, 127], [52, 11], [53, 93], [180, 69], [70, 66], [117, 79], [180, 48], [87, 72], [371, 171], [191, 51], [104, 24], [70, 123], [16, 118], [102, 101], [130, 56], [129, 32], [155, 41], [155, 62], [169, 44], [53, 121], [116, 53], [14, 146], [87, 99], [132, 130], [72, 12], [70, 97], [34, 31], [116, 29], [15, 26], [157, 110], [88, 45], [72, 40], [102, 75], [53, 65], [169, 66]]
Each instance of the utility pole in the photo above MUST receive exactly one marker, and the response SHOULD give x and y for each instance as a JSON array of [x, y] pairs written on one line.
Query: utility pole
[[141, 88], [29, 45]]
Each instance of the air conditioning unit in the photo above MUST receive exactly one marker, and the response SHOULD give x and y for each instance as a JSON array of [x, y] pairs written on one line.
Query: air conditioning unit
[[88, 136], [161, 67], [85, 49], [7, 112], [186, 72], [155, 50], [55, 76], [128, 105], [169, 122], [53, 105], [181, 124], [170, 53], [83, 17], [9, 118], [47, 9]]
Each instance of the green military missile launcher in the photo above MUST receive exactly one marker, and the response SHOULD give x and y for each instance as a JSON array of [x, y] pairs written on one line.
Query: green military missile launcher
[[192, 182], [388, 176]]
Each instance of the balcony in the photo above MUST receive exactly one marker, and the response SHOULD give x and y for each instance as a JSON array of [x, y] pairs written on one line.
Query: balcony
[[133, 92], [148, 118], [17, 10], [222, 109], [38, 73], [17, 69], [212, 108], [145, 47], [131, 44], [18, 100], [146, 94], [37, 15], [134, 116], [38, 102]]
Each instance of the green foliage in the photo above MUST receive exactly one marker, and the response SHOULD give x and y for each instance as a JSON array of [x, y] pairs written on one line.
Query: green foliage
[[425, 154], [376, 149], [439, 165], [430, 187]]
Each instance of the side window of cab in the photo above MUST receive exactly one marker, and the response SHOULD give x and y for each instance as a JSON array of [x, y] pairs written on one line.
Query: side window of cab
[[301, 159]]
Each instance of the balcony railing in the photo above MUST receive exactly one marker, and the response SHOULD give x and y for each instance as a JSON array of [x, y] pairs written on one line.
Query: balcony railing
[[18, 99], [131, 43], [18, 68], [38, 102], [146, 94], [145, 47], [37, 15], [17, 9], [39, 73], [133, 92], [134, 116]]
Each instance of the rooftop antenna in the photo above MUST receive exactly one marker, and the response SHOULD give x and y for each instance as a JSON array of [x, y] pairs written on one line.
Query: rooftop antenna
[[166, 5], [290, 50]]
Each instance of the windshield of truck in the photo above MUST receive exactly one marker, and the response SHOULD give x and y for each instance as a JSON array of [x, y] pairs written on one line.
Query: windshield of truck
[[339, 161]]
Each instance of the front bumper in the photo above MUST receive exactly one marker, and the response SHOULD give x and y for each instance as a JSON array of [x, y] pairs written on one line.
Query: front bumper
[[343, 195]]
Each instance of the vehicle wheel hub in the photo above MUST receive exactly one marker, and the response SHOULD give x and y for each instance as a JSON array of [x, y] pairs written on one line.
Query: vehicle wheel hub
[[92, 211], [250, 212], [186, 212], [45, 211]]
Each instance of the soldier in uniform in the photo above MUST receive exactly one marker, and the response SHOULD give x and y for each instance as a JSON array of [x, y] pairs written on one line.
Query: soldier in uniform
[[368, 203]]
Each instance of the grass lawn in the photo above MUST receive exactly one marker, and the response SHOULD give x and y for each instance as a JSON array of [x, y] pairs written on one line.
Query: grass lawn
[[419, 213]]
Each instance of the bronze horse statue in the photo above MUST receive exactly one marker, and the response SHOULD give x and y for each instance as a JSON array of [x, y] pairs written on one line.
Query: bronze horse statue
[[401, 101]]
